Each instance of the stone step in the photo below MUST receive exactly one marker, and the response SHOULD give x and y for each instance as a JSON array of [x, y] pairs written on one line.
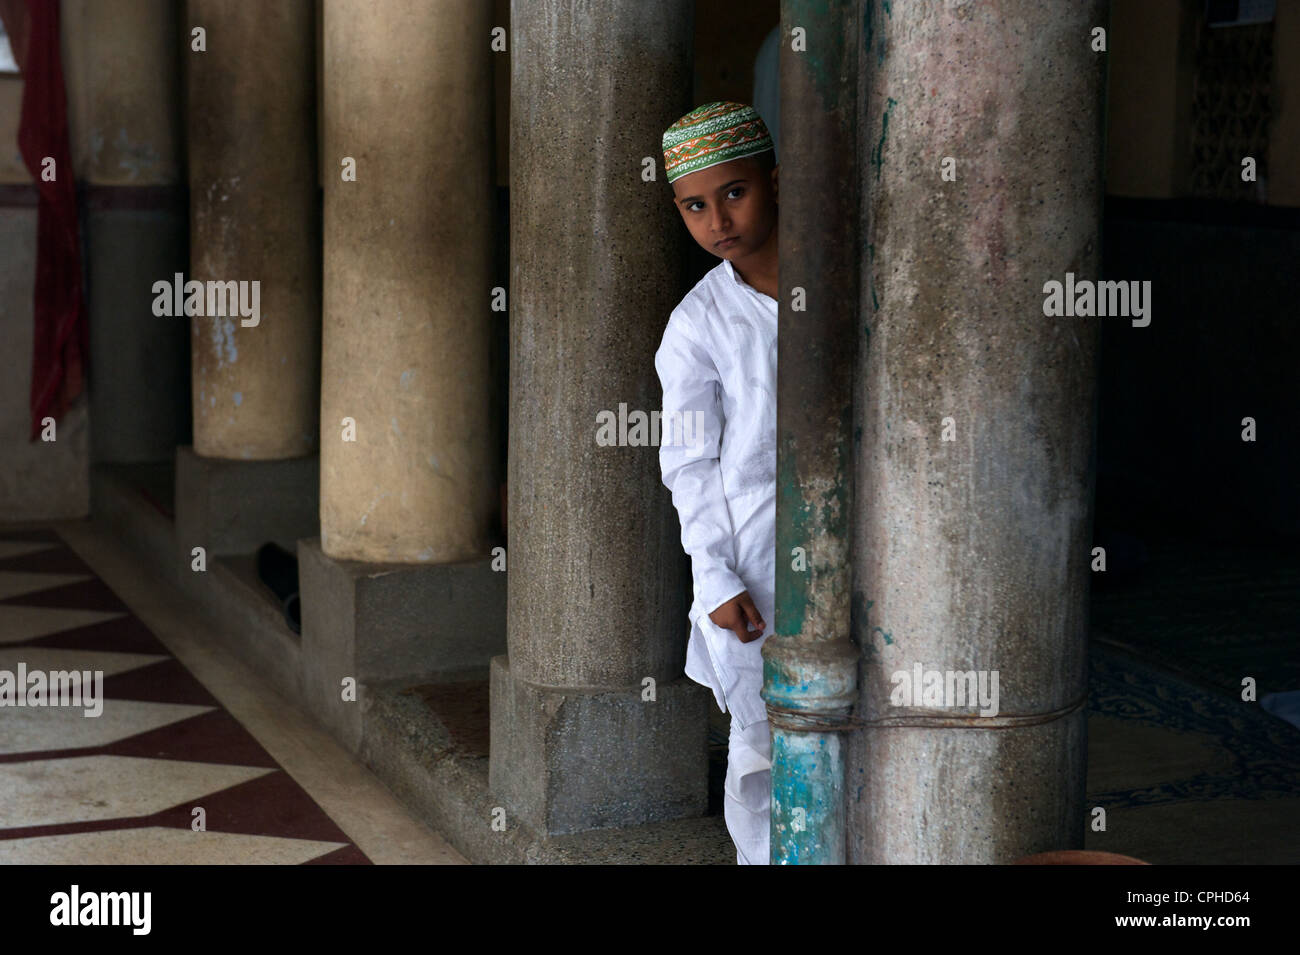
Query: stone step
[[432, 757]]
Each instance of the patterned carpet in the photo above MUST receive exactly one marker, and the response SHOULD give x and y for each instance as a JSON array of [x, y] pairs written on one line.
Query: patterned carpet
[[1187, 770], [1247, 752], [124, 786], [1187, 775]]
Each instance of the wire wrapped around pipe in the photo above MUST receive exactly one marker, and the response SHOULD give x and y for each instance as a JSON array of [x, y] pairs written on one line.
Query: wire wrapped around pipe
[[805, 721]]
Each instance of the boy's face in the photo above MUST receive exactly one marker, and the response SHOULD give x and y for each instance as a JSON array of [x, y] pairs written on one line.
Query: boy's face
[[734, 201]]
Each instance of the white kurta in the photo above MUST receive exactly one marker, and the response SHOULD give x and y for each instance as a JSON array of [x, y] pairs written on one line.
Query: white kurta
[[718, 357]]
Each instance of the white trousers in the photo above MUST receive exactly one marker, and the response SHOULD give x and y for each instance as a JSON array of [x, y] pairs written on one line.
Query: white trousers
[[747, 791]]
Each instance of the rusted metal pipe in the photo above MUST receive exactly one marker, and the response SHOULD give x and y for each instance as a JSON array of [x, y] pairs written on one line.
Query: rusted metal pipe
[[809, 662]]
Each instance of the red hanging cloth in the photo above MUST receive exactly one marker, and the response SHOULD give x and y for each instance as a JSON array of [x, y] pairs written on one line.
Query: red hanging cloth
[[62, 336]]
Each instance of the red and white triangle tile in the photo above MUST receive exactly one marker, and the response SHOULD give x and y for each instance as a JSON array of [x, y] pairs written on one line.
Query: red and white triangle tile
[[131, 784]]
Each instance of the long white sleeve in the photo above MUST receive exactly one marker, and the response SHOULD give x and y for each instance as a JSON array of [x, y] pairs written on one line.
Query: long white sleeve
[[691, 470]]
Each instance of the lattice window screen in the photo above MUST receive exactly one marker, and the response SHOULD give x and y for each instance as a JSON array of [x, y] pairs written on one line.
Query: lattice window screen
[[1232, 107]]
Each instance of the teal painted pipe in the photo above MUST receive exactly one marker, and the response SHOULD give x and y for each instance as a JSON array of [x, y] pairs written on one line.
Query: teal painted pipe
[[808, 813], [809, 662]]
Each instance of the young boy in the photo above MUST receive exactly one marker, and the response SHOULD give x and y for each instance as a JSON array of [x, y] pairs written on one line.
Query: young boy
[[717, 365]]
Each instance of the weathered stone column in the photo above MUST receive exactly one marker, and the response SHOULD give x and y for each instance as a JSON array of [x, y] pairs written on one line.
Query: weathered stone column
[[254, 217], [975, 470], [121, 59], [408, 282], [597, 575], [401, 586]]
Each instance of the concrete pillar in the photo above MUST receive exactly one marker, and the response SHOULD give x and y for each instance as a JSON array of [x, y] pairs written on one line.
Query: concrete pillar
[[975, 470], [408, 282], [121, 59], [121, 62], [401, 586], [597, 593], [254, 217]]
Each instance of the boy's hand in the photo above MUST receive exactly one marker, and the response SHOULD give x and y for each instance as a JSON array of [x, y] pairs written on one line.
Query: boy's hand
[[736, 614]]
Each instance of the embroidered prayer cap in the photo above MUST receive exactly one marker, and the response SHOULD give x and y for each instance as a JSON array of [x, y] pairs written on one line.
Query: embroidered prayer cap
[[713, 133]]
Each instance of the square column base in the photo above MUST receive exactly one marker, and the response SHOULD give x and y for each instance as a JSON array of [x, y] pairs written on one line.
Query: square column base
[[392, 623], [569, 759], [234, 507]]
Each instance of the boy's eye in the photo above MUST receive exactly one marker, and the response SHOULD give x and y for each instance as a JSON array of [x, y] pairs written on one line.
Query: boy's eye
[[737, 189]]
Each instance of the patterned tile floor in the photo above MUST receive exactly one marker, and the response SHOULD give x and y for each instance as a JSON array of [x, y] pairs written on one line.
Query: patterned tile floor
[[127, 786]]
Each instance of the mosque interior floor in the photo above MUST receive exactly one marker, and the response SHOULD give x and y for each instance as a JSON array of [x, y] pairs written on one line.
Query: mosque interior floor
[[191, 757], [1186, 771]]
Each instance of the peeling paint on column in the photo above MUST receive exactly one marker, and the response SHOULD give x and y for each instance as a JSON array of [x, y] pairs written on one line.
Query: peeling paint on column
[[138, 159], [223, 340], [882, 38], [878, 153]]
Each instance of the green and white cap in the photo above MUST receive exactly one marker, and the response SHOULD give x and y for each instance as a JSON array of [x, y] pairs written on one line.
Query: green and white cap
[[713, 133]]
